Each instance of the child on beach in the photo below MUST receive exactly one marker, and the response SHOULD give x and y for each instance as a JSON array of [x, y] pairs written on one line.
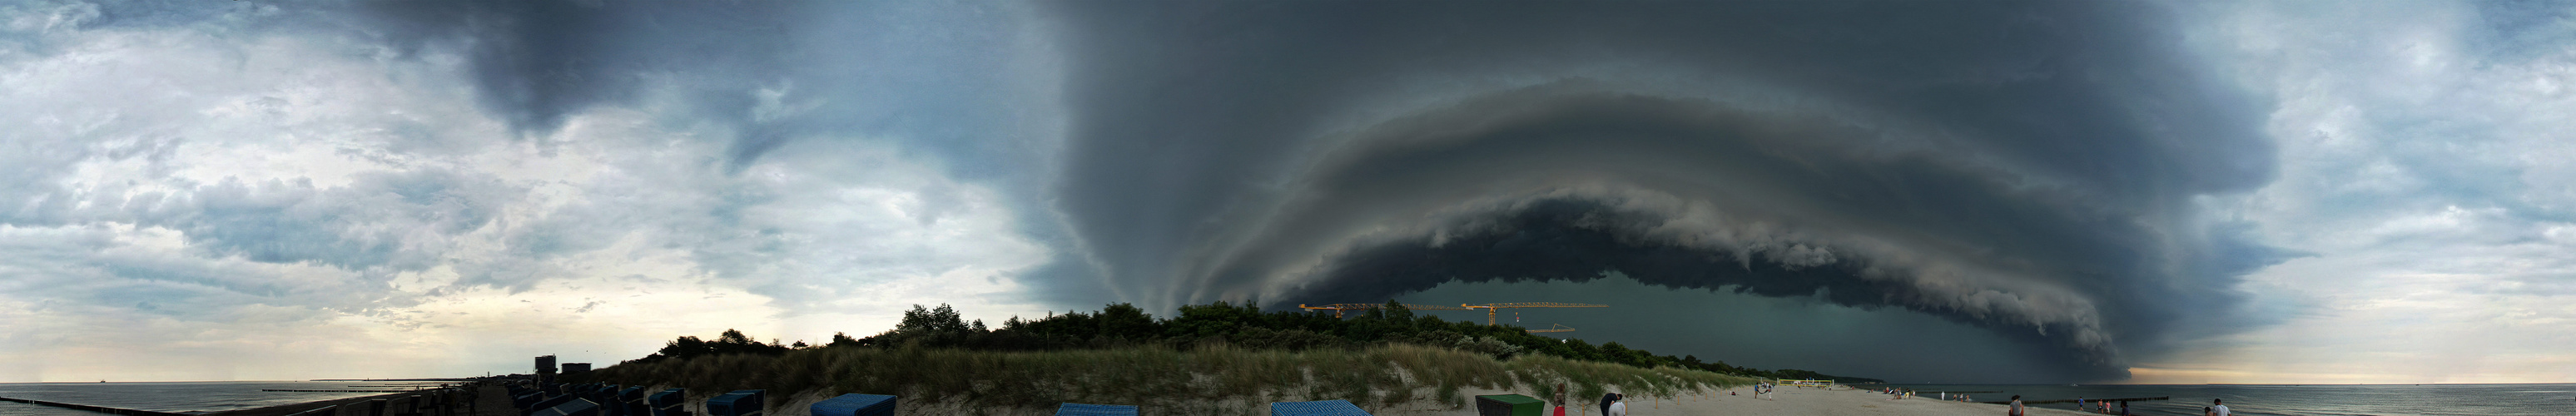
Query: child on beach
[[2015, 408]]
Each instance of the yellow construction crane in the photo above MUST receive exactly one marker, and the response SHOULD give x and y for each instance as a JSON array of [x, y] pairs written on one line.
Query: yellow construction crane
[[1491, 307], [1339, 307]]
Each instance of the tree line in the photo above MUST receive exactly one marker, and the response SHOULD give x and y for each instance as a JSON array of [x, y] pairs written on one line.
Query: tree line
[[1121, 325]]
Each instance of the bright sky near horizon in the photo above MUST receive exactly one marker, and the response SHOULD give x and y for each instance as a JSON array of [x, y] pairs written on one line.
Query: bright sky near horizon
[[2302, 192]]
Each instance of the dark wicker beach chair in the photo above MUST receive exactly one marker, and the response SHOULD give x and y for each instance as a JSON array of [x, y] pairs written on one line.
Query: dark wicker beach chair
[[855, 404], [548, 403], [1317, 408], [669, 402], [737, 403], [630, 402], [574, 407], [1079, 409]]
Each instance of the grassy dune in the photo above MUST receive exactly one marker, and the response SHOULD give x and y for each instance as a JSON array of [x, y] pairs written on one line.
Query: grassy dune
[[1206, 380]]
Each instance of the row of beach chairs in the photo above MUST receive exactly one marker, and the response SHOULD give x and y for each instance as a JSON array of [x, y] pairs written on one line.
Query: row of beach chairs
[[433, 402], [614, 400]]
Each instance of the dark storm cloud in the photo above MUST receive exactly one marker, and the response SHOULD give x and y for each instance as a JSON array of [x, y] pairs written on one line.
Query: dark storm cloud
[[946, 81], [538, 61], [2025, 166], [938, 75]]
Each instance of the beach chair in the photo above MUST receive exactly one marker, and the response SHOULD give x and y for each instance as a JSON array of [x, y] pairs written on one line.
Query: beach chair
[[669, 402], [630, 401], [607, 397], [574, 407], [855, 404], [736, 403], [549, 402], [1509, 405], [1079, 409], [402, 406], [1317, 408]]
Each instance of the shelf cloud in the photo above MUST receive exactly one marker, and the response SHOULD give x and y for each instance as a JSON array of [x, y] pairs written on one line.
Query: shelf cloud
[[2026, 167]]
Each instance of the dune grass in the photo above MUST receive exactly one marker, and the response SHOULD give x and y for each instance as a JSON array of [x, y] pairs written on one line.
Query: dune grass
[[1160, 378]]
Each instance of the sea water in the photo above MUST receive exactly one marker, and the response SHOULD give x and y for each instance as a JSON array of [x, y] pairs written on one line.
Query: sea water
[[2295, 400], [177, 397]]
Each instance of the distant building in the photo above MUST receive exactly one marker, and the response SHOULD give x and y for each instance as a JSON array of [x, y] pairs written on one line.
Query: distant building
[[546, 368], [570, 368]]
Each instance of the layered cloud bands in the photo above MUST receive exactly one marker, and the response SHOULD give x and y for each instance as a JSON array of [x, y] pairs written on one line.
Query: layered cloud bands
[[2030, 168]]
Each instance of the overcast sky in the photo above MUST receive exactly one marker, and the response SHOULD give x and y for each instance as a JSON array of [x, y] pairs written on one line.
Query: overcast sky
[[2002, 192]]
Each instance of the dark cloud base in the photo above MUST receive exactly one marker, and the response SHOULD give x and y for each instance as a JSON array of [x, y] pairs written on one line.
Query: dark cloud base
[[1548, 241]]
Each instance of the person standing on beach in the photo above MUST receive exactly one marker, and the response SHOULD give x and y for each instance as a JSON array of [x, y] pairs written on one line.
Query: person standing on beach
[[2218, 407], [2015, 409], [1560, 399]]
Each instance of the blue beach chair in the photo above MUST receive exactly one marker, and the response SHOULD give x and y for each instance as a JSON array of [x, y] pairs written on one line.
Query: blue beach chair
[[630, 401], [669, 402], [1317, 408], [1079, 409], [736, 403], [855, 404]]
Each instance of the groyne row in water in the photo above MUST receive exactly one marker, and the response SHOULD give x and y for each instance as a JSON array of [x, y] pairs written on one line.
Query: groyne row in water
[[100, 409]]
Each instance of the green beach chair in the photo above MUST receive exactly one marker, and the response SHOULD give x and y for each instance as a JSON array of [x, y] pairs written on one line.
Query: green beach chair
[[1509, 405]]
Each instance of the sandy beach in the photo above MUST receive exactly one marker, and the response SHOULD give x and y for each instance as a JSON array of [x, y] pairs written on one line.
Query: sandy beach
[[1809, 401], [1783, 401]]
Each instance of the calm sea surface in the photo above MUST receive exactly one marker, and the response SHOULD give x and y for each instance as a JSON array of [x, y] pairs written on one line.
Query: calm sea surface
[[175, 397], [2300, 400]]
